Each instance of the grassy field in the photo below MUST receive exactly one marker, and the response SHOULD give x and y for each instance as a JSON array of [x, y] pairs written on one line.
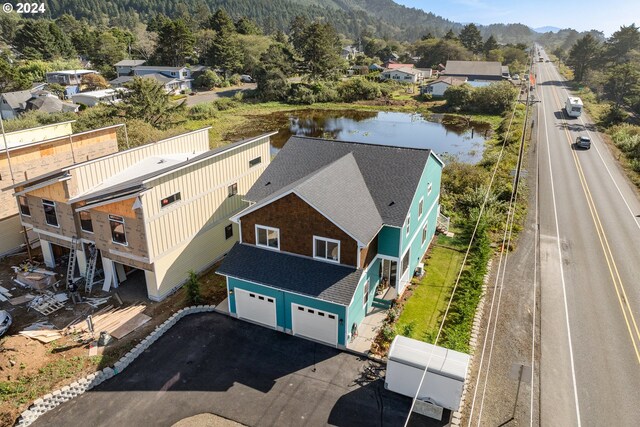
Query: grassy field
[[422, 313]]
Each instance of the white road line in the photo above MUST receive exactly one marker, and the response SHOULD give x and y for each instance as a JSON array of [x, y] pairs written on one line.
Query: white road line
[[535, 284], [635, 220], [564, 288]]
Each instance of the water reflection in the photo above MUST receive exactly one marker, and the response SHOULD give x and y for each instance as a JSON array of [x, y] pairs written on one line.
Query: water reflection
[[444, 134]]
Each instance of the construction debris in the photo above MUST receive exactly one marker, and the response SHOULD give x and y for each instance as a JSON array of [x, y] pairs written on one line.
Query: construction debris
[[95, 302], [41, 331], [38, 281], [109, 320], [5, 293], [46, 304], [21, 299]]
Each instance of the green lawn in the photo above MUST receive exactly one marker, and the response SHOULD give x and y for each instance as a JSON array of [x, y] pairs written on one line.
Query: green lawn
[[420, 318]]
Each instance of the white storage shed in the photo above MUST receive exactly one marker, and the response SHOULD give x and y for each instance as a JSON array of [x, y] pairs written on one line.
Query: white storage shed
[[445, 377]]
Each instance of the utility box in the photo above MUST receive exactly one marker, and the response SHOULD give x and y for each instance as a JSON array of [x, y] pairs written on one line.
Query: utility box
[[444, 381]]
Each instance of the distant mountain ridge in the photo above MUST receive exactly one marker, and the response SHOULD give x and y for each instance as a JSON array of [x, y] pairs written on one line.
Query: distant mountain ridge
[[547, 29], [380, 18]]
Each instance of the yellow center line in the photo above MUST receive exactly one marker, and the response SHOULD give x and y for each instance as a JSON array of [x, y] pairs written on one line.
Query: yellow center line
[[604, 243]]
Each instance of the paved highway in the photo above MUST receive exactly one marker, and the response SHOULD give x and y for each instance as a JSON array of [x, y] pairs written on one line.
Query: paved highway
[[589, 230]]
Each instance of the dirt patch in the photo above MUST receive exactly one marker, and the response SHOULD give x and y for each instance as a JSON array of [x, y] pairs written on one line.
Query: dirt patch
[[30, 369]]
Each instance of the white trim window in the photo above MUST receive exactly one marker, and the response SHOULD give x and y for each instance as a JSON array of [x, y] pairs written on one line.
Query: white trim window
[[267, 237], [326, 249], [118, 235], [429, 188], [50, 216], [366, 294], [407, 224], [420, 207], [424, 233]]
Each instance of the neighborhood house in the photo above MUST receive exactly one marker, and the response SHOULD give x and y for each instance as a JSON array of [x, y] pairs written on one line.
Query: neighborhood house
[[477, 70], [145, 216], [93, 98], [439, 86], [329, 222], [174, 79], [402, 75]]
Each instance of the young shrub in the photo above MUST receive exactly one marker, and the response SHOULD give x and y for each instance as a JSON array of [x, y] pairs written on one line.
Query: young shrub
[[193, 289]]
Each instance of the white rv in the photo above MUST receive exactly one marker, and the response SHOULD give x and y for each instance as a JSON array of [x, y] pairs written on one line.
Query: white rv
[[573, 106]]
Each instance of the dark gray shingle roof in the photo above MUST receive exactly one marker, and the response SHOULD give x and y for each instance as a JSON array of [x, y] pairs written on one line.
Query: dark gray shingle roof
[[391, 174], [17, 100], [329, 282], [331, 184]]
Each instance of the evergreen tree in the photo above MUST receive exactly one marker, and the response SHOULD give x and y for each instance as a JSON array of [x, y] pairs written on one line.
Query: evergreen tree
[[147, 100], [225, 51], [321, 50], [221, 22], [43, 39], [247, 26], [584, 56], [622, 43], [276, 65], [175, 43], [297, 32], [490, 44], [622, 86], [471, 38], [450, 35]]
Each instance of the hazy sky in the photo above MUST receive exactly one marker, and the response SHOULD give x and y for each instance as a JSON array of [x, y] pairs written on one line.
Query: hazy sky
[[603, 15]]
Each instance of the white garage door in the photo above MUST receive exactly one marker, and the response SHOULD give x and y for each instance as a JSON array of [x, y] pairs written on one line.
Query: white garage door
[[256, 307], [315, 324]]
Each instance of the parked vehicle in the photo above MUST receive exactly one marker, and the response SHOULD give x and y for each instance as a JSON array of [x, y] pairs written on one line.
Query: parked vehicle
[[583, 142], [5, 322], [246, 78], [573, 106]]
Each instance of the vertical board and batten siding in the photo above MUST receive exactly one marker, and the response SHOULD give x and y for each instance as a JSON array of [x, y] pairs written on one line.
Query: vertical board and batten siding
[[203, 189], [88, 175], [357, 310]]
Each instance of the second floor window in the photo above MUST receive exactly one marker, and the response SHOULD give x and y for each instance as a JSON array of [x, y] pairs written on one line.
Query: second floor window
[[407, 225], [117, 229], [327, 249], [254, 162], [233, 189], [50, 212], [85, 222], [429, 188], [420, 208], [24, 206], [268, 237], [228, 232]]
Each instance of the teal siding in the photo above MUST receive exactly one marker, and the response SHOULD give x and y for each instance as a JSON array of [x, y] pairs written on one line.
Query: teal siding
[[357, 311], [388, 241], [283, 305], [431, 174]]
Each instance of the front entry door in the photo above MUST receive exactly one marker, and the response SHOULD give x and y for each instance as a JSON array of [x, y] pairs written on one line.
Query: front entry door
[[390, 271]]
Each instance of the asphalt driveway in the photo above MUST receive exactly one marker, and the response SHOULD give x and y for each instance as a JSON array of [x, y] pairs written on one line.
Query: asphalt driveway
[[211, 363]]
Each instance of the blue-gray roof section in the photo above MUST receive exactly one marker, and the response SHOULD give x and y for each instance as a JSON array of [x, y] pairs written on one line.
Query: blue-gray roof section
[[391, 175], [322, 280]]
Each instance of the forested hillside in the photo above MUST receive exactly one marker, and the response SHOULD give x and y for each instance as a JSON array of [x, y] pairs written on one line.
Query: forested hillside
[[381, 18]]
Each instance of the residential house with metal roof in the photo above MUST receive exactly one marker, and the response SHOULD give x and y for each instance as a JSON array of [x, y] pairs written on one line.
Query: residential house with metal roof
[[439, 86], [36, 151], [476, 70], [402, 75], [146, 216], [329, 224]]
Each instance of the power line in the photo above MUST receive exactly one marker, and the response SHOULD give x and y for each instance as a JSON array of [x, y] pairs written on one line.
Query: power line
[[464, 261]]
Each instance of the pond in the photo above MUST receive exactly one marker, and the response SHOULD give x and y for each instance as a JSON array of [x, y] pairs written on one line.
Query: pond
[[446, 135]]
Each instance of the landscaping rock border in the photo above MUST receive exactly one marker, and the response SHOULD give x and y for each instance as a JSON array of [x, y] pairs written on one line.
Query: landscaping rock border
[[456, 417], [55, 398]]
